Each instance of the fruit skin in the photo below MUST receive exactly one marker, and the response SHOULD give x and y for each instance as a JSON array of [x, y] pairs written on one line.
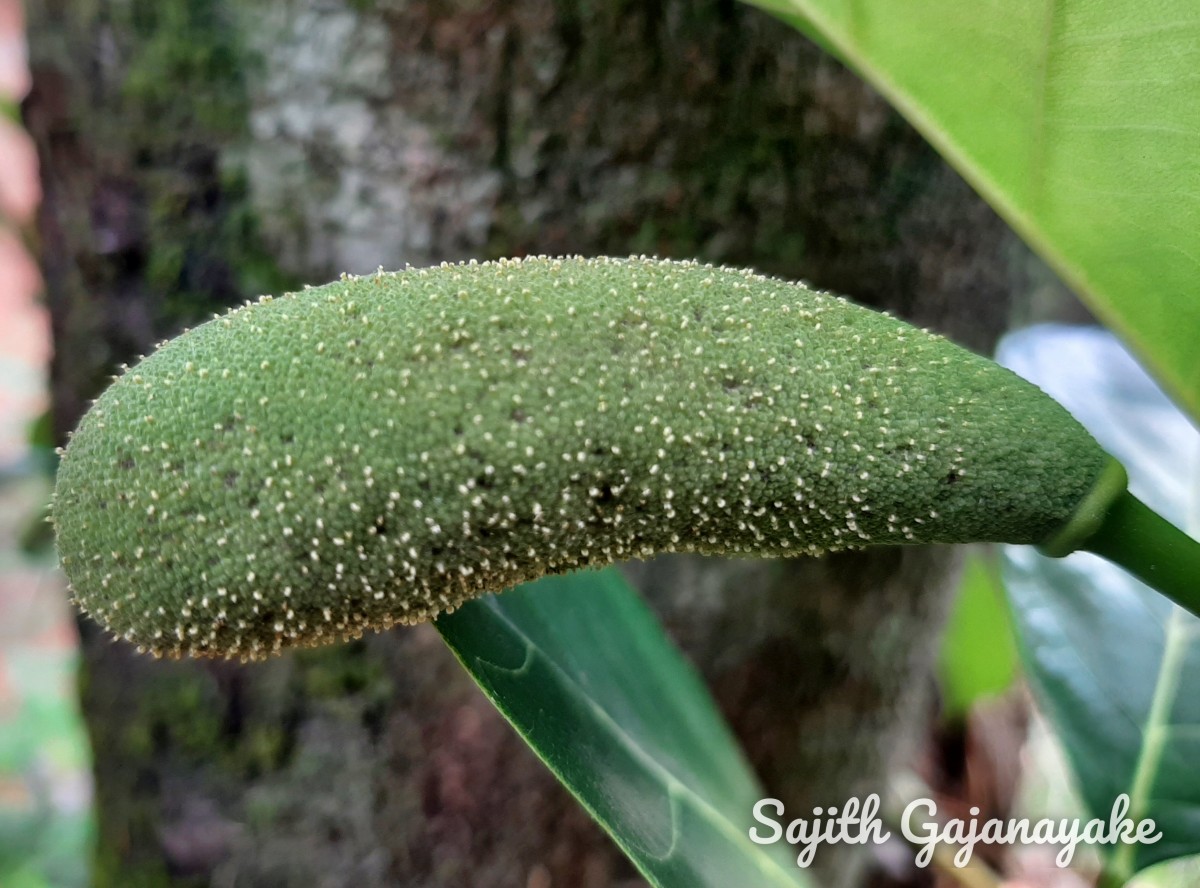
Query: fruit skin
[[380, 449]]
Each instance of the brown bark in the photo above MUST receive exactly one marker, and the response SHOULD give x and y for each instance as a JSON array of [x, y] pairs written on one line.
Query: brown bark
[[197, 152]]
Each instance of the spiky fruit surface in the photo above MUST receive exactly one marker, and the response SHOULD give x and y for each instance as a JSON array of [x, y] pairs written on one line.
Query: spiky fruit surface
[[380, 449]]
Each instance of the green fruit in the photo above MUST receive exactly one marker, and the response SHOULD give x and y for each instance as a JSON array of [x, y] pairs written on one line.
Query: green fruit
[[381, 449]]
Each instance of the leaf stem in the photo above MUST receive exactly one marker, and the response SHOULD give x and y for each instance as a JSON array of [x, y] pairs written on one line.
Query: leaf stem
[[1138, 539], [1121, 865]]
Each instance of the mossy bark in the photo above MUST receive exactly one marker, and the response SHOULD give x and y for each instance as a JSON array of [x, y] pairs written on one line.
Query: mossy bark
[[197, 152]]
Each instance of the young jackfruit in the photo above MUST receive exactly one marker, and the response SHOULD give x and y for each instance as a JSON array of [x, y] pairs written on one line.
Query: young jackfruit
[[381, 449]]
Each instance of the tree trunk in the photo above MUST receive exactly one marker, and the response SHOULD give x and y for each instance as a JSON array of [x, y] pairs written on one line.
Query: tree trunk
[[198, 152]]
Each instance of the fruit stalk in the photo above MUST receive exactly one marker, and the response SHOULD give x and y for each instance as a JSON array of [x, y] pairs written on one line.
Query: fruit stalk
[[1138, 539]]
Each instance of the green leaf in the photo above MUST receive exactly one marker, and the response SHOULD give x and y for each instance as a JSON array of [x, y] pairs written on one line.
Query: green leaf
[[786, 10], [979, 655], [582, 670], [1079, 121], [1115, 665]]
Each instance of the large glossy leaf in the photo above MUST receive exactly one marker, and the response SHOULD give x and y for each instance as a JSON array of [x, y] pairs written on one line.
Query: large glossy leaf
[[1116, 666], [582, 670], [1078, 120]]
